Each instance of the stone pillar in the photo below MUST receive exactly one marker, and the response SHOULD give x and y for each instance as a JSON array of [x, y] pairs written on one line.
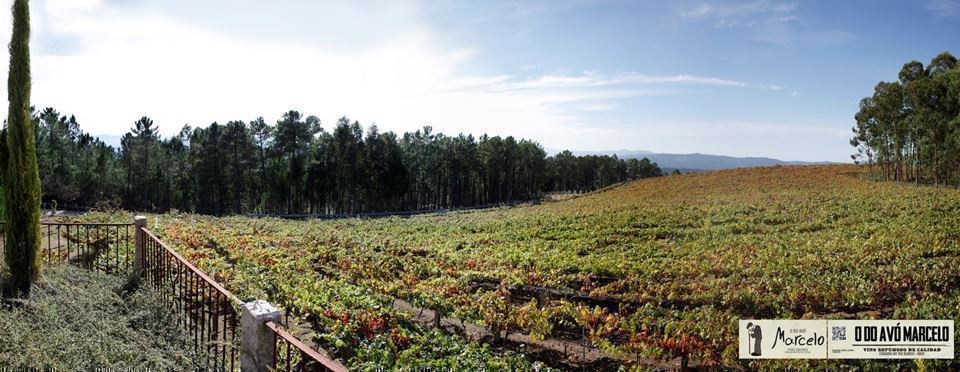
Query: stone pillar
[[256, 340], [140, 246]]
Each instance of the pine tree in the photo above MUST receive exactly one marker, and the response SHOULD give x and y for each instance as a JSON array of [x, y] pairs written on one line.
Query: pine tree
[[22, 181]]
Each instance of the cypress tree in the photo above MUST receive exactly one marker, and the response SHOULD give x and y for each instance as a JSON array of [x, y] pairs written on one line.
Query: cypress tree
[[22, 179]]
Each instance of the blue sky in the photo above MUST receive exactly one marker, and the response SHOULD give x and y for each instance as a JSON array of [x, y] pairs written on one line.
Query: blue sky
[[744, 78]]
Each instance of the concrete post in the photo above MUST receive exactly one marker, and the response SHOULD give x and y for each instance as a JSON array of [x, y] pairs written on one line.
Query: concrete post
[[140, 244], [256, 340]]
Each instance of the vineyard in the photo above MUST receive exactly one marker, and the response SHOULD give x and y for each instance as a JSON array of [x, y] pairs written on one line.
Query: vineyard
[[650, 274]]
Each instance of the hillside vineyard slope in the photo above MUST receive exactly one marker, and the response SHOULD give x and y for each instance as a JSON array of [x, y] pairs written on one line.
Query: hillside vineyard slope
[[660, 267]]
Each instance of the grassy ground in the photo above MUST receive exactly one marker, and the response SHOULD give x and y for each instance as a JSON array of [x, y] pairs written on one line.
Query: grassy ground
[[78, 320], [661, 267]]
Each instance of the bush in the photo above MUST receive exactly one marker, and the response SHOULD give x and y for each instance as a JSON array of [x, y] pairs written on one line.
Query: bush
[[75, 319]]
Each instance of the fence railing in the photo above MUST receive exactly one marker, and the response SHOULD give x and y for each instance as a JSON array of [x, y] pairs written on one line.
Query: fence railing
[[106, 247], [201, 304], [291, 354]]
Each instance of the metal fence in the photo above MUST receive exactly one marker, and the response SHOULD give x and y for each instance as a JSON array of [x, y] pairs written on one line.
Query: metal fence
[[206, 309], [291, 354], [106, 247]]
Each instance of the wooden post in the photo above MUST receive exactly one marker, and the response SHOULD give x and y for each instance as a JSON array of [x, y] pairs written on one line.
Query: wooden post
[[139, 257], [257, 341]]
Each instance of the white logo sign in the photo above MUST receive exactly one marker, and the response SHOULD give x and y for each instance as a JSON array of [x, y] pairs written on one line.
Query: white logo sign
[[780, 339], [846, 339]]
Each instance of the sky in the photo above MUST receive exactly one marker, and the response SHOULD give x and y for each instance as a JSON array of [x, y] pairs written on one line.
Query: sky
[[742, 78]]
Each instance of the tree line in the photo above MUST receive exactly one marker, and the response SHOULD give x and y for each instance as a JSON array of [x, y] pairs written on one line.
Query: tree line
[[297, 165], [909, 129]]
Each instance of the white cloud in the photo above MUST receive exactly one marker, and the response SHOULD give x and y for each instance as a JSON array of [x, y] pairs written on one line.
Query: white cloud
[[697, 12], [598, 107], [592, 79], [733, 12], [110, 65], [943, 8], [767, 21]]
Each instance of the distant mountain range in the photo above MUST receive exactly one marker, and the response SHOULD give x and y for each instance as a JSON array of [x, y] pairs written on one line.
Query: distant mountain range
[[696, 161]]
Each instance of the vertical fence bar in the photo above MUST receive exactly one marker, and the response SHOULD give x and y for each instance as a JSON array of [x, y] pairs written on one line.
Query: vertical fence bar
[[233, 337], [203, 322], [85, 246], [215, 340], [49, 246], [59, 244], [195, 311], [69, 238], [116, 249], [126, 249], [275, 352], [182, 304], [288, 356]]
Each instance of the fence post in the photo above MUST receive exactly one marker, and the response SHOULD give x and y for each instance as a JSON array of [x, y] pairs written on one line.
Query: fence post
[[141, 244], [257, 342]]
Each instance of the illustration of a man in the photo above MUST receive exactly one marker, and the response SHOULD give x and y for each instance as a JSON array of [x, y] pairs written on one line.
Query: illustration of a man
[[755, 335]]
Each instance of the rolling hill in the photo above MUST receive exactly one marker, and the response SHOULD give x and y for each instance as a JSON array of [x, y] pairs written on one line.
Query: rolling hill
[[696, 161]]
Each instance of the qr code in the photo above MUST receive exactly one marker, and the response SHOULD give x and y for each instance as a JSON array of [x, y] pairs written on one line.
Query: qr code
[[838, 333]]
